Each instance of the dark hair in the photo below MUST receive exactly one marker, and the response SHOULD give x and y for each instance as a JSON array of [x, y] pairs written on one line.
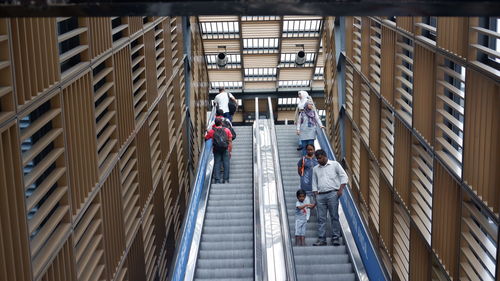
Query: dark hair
[[221, 89], [300, 192], [311, 145], [320, 152], [218, 122], [219, 112]]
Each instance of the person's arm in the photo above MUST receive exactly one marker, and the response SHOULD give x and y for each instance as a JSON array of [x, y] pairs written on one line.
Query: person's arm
[[343, 178], [299, 166], [318, 120], [315, 182], [233, 98], [229, 140], [299, 121], [209, 134]]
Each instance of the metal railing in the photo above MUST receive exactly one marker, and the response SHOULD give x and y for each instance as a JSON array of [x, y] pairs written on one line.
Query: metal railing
[[259, 240], [191, 232], [371, 263], [285, 230]]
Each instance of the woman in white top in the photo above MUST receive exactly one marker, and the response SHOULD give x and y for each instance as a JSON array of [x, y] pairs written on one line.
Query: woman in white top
[[304, 97], [306, 126]]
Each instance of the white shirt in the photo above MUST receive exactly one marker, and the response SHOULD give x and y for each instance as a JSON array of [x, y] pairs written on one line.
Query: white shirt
[[328, 177], [222, 99]]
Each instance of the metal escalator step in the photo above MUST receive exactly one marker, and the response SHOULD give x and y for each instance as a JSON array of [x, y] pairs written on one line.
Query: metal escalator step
[[234, 215], [224, 264], [227, 246], [228, 229], [220, 254], [323, 268], [226, 222], [233, 197], [221, 191], [233, 237], [327, 277], [330, 258], [229, 209], [226, 273]]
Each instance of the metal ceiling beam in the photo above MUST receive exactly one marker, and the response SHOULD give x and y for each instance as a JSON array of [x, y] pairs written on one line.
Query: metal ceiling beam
[[9, 8], [317, 50], [281, 94]]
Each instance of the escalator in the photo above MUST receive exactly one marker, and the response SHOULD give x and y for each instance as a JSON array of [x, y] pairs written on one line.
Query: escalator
[[311, 262], [226, 250]]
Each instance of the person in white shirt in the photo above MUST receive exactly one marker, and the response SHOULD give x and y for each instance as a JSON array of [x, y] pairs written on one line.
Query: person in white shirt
[[222, 99], [328, 182]]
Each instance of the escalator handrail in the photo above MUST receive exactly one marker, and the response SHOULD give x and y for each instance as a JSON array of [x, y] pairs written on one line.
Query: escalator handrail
[[259, 257], [371, 260], [285, 230], [189, 222]]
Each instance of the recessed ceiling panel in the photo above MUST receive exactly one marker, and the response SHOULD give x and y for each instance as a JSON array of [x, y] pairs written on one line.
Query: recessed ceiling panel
[[296, 74], [260, 85], [290, 45], [225, 75], [260, 29], [212, 46], [252, 61]]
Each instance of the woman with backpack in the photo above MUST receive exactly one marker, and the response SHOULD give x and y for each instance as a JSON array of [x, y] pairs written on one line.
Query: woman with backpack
[[306, 126], [222, 147]]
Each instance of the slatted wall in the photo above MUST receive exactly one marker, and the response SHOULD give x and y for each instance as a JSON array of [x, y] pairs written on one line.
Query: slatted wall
[[93, 175], [421, 142]]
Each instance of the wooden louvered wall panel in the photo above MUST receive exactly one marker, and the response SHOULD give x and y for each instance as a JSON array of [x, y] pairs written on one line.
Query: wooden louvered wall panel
[[401, 247], [34, 56], [402, 157], [73, 37], [81, 145], [150, 63], [405, 23], [386, 215], [139, 90], [452, 35], [105, 113], [14, 251], [445, 221], [423, 95], [66, 134], [46, 187], [375, 124], [349, 37], [62, 267], [365, 46], [144, 165], [88, 244], [482, 133], [364, 175], [130, 191], [7, 102], [100, 36], [135, 24], [387, 67], [124, 111], [135, 258], [420, 264], [357, 99], [113, 225]]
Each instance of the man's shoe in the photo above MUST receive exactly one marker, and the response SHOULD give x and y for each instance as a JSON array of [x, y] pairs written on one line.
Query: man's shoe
[[299, 148], [335, 242], [217, 181], [223, 181], [226, 181], [320, 243]]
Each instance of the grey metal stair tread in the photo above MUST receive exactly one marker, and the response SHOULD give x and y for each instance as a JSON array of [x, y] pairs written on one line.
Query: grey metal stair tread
[[225, 263], [327, 277], [226, 223], [226, 279], [225, 215], [323, 268], [227, 237], [227, 245], [226, 273], [307, 259], [223, 254]]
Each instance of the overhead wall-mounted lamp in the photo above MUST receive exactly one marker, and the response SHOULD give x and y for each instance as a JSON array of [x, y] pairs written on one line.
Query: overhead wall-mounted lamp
[[300, 57], [221, 57]]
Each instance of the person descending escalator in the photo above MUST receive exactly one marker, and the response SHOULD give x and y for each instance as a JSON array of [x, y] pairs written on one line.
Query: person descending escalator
[[302, 213], [328, 182], [306, 126], [222, 147]]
